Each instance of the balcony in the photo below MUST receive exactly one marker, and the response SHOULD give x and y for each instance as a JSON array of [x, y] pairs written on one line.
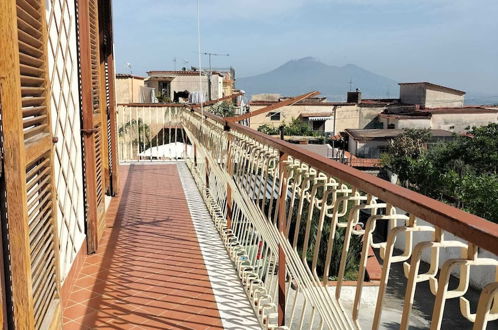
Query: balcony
[[246, 231]]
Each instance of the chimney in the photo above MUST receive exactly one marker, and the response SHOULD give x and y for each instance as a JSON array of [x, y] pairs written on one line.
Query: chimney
[[354, 97]]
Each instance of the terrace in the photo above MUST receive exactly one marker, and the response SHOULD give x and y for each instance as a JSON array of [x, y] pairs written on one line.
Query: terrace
[[240, 232], [101, 228]]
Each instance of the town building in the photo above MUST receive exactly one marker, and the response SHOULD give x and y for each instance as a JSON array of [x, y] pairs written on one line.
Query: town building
[[131, 89], [177, 86], [421, 105], [430, 95], [321, 115], [427, 105], [457, 120], [371, 143]]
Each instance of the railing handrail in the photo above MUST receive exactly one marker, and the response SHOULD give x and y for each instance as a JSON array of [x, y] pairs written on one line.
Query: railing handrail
[[154, 105], [467, 226]]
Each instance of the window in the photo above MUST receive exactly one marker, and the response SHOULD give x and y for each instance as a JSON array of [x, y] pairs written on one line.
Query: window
[[318, 125], [391, 126], [274, 115], [164, 88]]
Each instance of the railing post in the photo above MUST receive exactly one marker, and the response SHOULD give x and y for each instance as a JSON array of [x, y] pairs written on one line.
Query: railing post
[[230, 172], [207, 173], [195, 155], [281, 228]]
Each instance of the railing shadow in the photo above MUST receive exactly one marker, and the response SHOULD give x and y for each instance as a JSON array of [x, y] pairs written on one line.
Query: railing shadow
[[152, 273]]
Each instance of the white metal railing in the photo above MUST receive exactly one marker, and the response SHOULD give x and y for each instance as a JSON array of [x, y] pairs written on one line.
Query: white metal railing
[[301, 229], [292, 222], [148, 132]]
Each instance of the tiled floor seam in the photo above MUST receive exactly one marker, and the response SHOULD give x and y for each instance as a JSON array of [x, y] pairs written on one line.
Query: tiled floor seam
[[233, 305]]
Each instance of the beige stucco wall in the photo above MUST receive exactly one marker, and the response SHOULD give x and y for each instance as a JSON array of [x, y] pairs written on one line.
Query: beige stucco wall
[[346, 116], [366, 149], [412, 94], [125, 87], [367, 115], [461, 121], [436, 99], [406, 123], [286, 114], [191, 84]]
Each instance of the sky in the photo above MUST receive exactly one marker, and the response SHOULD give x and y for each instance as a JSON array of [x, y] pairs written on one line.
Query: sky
[[449, 42]]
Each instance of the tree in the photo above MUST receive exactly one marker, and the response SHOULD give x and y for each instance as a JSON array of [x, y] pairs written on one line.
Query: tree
[[404, 150], [223, 109], [296, 127], [138, 132], [462, 172]]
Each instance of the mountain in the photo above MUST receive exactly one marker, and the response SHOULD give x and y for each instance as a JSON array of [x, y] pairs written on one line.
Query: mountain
[[307, 74], [479, 98]]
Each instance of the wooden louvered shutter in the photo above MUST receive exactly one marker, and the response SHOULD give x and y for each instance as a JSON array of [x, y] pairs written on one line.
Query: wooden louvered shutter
[[98, 107], [28, 163], [109, 113], [93, 126]]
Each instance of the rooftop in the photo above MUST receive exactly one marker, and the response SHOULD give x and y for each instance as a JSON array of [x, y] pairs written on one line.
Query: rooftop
[[153, 74], [429, 85], [127, 75], [375, 134], [428, 112]]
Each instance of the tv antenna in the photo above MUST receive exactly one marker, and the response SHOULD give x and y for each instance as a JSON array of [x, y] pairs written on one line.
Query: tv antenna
[[351, 84], [213, 54]]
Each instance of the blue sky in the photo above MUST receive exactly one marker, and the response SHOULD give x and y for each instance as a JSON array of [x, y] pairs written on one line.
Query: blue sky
[[451, 42]]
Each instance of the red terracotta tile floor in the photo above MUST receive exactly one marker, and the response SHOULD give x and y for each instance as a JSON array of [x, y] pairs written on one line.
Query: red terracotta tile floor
[[149, 272]]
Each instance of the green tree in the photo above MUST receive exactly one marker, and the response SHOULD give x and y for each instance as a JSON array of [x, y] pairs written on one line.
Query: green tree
[[462, 172], [138, 132], [296, 127], [267, 129], [223, 109], [404, 150]]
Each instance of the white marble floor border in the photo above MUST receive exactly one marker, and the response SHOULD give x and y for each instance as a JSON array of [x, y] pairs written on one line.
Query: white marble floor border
[[234, 308]]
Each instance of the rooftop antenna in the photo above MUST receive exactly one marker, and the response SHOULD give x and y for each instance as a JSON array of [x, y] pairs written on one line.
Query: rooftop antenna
[[129, 67], [174, 62], [213, 54], [210, 71], [351, 84]]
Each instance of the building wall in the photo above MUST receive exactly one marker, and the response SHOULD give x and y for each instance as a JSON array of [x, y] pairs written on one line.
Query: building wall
[[368, 115], [352, 145], [191, 84], [430, 98], [407, 123], [346, 116], [65, 120], [286, 114], [125, 87], [435, 99], [412, 94], [460, 122], [367, 149]]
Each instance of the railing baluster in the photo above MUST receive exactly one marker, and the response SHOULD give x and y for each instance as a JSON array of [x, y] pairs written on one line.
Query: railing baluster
[[283, 214]]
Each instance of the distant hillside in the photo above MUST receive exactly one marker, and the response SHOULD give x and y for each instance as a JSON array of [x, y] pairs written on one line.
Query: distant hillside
[[473, 98], [300, 76]]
